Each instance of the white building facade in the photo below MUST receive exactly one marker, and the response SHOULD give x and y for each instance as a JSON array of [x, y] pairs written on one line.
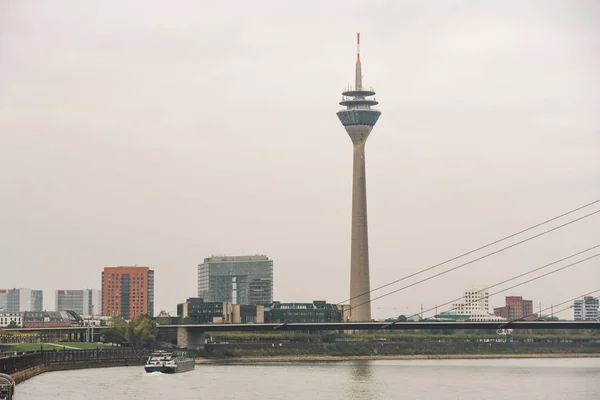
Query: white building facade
[[476, 305], [586, 309], [7, 318]]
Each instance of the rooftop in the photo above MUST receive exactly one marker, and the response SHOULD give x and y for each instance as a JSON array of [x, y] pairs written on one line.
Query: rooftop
[[224, 258]]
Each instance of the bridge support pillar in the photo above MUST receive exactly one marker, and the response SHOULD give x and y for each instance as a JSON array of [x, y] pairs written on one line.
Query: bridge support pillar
[[190, 338]]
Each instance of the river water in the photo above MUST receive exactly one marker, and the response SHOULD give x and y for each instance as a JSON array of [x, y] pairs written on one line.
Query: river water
[[349, 380]]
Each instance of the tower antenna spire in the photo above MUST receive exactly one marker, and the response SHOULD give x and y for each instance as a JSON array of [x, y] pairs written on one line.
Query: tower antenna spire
[[358, 47], [358, 80]]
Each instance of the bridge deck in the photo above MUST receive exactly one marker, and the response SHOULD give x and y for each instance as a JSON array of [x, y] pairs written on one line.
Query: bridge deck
[[389, 326], [431, 325]]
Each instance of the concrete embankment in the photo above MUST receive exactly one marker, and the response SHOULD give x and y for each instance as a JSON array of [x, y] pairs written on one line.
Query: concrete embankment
[[25, 366], [252, 359], [27, 373], [23, 375], [337, 351]]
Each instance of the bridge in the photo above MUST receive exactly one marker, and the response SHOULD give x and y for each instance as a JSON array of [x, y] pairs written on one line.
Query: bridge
[[192, 336]]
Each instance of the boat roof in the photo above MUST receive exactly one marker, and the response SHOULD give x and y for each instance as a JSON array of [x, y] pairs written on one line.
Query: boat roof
[[161, 353]]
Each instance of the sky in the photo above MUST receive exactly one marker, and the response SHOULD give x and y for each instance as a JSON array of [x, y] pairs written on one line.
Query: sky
[[160, 133]]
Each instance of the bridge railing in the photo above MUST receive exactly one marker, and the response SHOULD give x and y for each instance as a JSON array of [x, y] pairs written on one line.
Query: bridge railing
[[68, 356], [10, 365]]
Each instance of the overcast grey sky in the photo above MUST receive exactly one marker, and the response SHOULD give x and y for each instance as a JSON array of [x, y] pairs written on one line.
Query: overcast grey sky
[[159, 133]]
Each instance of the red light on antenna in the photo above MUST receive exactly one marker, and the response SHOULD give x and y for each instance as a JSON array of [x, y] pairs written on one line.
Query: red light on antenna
[[358, 47]]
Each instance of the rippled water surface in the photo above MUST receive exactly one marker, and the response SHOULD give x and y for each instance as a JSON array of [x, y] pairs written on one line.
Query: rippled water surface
[[407, 379]]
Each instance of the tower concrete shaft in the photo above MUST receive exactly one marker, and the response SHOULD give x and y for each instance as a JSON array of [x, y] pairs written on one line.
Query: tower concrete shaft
[[360, 296], [359, 119]]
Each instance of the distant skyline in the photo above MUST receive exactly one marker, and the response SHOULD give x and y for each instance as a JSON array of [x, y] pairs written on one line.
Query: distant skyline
[[153, 134]]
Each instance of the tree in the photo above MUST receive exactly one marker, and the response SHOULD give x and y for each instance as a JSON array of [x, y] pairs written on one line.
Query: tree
[[13, 324], [117, 331], [141, 331], [164, 318], [110, 335]]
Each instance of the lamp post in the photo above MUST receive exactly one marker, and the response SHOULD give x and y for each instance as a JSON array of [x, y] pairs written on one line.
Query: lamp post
[[92, 321]]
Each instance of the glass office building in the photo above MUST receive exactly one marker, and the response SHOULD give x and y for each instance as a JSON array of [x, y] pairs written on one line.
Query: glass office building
[[20, 300], [244, 280], [83, 302]]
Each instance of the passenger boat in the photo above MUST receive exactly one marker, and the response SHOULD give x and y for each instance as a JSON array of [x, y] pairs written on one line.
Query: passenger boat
[[7, 387], [168, 362]]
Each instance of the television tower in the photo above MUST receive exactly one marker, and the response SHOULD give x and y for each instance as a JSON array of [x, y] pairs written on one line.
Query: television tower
[[359, 119]]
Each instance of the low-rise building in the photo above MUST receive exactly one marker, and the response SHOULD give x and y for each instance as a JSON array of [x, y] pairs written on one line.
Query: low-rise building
[[317, 311], [202, 312], [248, 314], [222, 312], [475, 305], [51, 319], [451, 316], [516, 308], [11, 319]]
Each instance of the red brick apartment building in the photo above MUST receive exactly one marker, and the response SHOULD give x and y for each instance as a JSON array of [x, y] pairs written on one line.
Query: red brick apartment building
[[127, 292], [516, 308]]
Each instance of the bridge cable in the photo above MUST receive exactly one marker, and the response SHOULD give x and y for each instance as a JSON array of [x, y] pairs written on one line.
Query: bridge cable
[[538, 277], [517, 277], [488, 245], [476, 259]]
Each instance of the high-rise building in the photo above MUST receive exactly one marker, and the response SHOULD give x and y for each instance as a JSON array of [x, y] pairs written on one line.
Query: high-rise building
[[83, 302], [516, 308], [475, 305], [359, 119], [586, 309], [20, 300], [128, 292], [245, 280]]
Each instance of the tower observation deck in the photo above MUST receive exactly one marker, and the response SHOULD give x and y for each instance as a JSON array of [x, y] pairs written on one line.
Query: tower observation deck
[[359, 119]]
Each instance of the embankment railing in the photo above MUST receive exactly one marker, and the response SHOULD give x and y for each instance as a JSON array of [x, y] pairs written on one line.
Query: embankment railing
[[10, 365]]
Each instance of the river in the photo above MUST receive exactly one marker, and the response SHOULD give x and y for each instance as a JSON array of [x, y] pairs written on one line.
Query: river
[[567, 378]]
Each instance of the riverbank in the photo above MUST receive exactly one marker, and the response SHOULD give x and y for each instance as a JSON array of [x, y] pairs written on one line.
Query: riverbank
[[313, 358], [434, 349]]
